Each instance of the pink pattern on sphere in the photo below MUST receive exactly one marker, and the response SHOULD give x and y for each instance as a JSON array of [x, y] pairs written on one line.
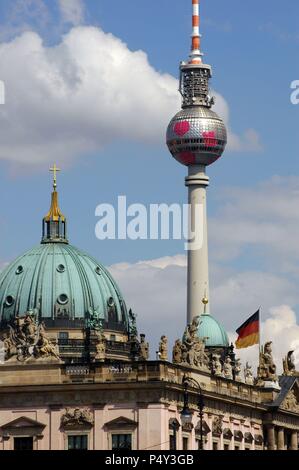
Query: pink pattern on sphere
[[181, 128], [209, 139], [188, 158]]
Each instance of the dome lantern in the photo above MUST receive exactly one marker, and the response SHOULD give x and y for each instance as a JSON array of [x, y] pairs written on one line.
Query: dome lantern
[[54, 223]]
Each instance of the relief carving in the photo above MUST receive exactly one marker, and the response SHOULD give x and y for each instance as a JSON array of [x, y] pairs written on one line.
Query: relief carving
[[217, 425], [290, 402], [77, 417]]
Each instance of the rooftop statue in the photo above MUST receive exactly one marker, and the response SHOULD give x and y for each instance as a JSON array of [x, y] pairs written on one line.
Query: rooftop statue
[[191, 351], [100, 347], [94, 320], [144, 348], [163, 349], [27, 339], [267, 368], [132, 323], [216, 364], [289, 364], [228, 368], [248, 374], [238, 370]]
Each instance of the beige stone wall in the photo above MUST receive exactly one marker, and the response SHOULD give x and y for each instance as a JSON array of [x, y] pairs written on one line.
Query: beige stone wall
[[146, 395]]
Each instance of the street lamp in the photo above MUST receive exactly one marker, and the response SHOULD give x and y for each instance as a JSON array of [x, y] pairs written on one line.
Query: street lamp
[[186, 413], [174, 426]]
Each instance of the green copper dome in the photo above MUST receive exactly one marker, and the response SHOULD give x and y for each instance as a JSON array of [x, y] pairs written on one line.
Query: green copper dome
[[60, 282], [211, 329], [62, 285]]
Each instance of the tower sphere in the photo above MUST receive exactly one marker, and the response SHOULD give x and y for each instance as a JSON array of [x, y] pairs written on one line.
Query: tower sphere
[[196, 136]]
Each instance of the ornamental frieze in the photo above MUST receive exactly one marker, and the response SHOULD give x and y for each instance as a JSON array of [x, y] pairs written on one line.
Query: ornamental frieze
[[290, 402]]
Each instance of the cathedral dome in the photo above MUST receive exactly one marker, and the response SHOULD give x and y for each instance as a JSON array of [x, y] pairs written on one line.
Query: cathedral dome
[[61, 285], [60, 282], [214, 331]]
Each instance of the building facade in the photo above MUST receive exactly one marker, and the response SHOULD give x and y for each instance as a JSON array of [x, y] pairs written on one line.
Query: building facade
[[138, 406]]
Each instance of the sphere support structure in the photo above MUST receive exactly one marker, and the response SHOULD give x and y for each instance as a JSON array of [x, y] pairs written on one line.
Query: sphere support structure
[[198, 266]]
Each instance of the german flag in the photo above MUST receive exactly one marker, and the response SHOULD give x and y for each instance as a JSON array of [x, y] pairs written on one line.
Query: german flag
[[249, 332]]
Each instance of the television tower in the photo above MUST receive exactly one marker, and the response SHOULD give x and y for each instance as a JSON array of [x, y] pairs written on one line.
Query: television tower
[[196, 137]]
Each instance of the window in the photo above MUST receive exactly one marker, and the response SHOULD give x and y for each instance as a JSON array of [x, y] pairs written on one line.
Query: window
[[63, 337], [63, 299], [23, 443], [121, 441], [185, 443], [226, 447], [112, 337], [79, 442], [215, 445], [237, 447]]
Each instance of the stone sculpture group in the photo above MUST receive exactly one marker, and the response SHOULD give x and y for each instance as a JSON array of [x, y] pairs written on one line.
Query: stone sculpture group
[[26, 339]]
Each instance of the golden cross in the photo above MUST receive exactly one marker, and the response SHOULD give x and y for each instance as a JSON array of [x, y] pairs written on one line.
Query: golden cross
[[54, 170]]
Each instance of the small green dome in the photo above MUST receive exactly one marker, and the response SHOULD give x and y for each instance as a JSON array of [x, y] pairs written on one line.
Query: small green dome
[[60, 282], [211, 329]]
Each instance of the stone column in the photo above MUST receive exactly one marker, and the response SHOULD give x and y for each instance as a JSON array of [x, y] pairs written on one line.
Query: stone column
[[294, 441], [280, 440], [209, 445], [271, 437]]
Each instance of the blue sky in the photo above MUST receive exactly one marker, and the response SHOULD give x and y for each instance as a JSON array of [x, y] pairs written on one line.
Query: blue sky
[[253, 48]]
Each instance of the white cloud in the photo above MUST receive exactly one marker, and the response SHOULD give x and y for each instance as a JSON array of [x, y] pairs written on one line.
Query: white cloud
[[85, 92], [156, 290], [72, 11]]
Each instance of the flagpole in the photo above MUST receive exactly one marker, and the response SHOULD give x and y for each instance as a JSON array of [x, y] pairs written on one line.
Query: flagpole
[[260, 331]]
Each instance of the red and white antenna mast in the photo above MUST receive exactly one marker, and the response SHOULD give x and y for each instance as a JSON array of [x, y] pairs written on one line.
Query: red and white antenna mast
[[196, 55]]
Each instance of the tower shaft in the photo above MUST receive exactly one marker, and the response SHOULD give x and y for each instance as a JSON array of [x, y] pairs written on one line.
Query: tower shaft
[[198, 268]]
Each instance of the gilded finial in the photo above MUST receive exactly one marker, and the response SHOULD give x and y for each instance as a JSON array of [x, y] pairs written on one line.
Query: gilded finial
[[55, 213], [54, 170], [205, 301]]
